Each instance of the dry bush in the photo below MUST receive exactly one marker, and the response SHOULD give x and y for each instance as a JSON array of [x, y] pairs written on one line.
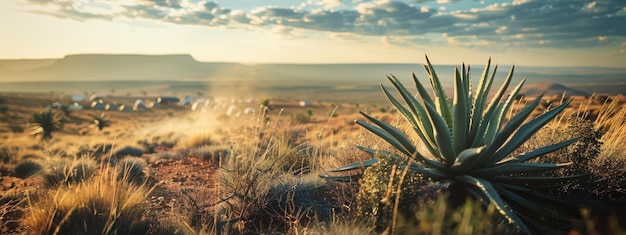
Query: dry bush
[[336, 227], [214, 153], [612, 120], [27, 167], [64, 171], [132, 169], [441, 218], [101, 205], [377, 193], [196, 140], [124, 150]]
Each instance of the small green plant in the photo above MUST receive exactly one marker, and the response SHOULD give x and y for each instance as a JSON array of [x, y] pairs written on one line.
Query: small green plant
[[382, 184], [468, 145], [300, 118], [66, 110], [266, 104], [46, 123], [101, 121], [439, 217]]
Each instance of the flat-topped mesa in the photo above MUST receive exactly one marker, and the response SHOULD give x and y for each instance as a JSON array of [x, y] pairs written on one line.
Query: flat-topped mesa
[[108, 58], [551, 89]]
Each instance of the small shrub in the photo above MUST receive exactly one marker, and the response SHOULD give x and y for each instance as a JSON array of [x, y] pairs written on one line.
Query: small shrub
[[298, 200], [46, 123], [131, 169], [196, 140], [295, 160], [166, 156], [375, 199], [27, 167], [101, 121], [339, 228], [135, 151], [171, 226], [208, 153], [440, 218], [101, 205], [300, 118], [68, 171], [99, 149]]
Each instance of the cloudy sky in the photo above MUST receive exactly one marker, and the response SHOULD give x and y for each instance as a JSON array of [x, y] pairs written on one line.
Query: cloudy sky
[[524, 32]]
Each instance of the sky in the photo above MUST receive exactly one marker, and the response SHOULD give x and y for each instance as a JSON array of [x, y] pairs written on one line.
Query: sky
[[522, 32]]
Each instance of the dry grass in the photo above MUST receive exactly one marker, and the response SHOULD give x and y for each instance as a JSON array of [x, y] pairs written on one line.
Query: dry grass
[[267, 178], [101, 205]]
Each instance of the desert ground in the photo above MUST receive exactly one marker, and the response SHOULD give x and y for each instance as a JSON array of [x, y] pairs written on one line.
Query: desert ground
[[254, 169]]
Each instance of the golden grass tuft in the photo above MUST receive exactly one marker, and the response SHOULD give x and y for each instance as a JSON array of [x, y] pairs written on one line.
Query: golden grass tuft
[[612, 120], [101, 205], [196, 140]]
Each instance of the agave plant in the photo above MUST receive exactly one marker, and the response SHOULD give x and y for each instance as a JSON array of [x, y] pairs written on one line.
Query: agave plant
[[45, 123], [100, 121], [468, 143]]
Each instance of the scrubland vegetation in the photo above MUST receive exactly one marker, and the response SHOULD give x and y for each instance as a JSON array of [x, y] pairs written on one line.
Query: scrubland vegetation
[[173, 171]]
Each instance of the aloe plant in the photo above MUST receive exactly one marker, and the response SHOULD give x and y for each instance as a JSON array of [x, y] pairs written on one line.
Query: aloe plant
[[469, 143], [101, 121], [46, 123]]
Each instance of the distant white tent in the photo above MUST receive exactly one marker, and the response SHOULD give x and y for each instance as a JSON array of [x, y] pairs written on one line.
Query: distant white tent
[[76, 106], [249, 111], [305, 103], [139, 105], [200, 104], [187, 101], [111, 107], [232, 110], [97, 105]]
